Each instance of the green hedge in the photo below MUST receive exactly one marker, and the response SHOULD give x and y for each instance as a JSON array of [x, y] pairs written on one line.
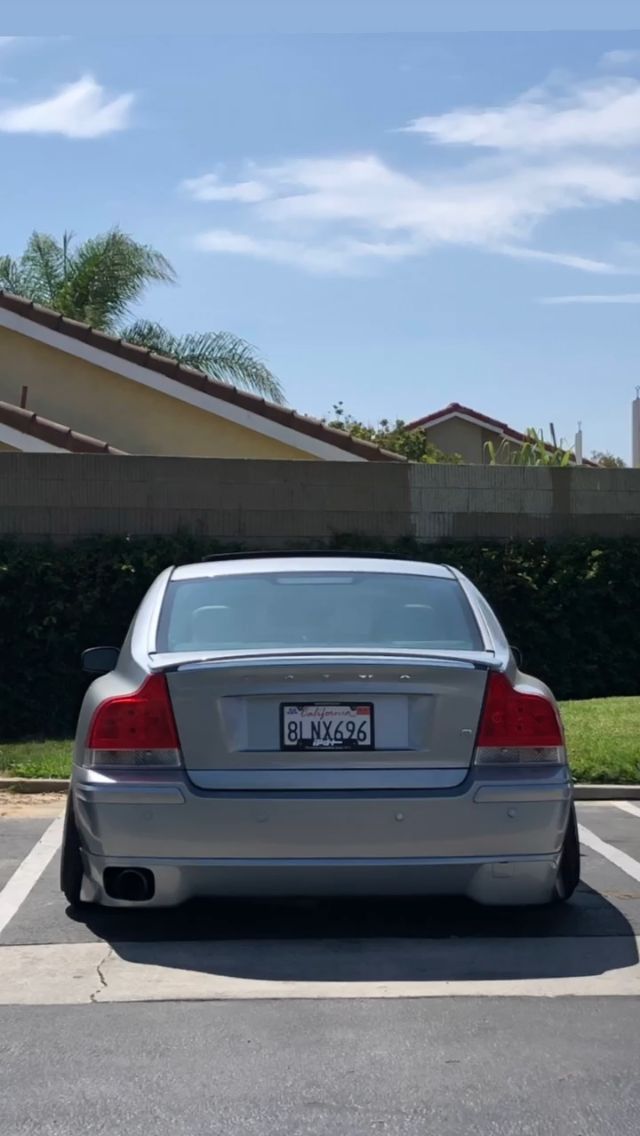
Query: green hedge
[[571, 608]]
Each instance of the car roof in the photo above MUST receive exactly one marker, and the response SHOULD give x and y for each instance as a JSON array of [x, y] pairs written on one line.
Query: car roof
[[259, 564]]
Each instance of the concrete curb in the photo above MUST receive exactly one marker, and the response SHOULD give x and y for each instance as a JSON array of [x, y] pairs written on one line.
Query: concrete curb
[[34, 784], [60, 785], [607, 792]]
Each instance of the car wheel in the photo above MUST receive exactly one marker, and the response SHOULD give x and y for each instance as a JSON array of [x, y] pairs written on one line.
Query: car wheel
[[71, 871], [568, 876]]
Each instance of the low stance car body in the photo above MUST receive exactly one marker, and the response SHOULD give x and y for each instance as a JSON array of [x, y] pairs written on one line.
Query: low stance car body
[[296, 725]]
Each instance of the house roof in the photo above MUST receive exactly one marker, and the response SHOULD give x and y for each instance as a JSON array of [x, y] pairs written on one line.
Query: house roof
[[194, 379], [457, 410], [53, 433]]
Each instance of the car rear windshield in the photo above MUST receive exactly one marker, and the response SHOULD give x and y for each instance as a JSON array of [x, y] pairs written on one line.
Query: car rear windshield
[[271, 610]]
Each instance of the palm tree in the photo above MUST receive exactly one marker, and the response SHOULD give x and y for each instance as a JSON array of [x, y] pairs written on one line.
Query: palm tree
[[99, 280]]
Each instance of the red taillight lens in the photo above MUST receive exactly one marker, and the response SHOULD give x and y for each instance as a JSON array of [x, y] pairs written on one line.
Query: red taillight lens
[[140, 721], [511, 720]]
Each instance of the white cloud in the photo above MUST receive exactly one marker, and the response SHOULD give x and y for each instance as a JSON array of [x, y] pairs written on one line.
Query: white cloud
[[605, 298], [558, 150], [209, 188], [79, 110], [565, 260], [620, 58], [475, 206], [603, 114], [346, 257], [375, 212]]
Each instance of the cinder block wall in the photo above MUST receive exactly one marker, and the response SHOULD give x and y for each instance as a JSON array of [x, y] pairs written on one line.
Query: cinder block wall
[[275, 503], [519, 502]]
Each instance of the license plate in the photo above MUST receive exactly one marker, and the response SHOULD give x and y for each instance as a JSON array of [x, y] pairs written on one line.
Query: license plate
[[324, 725]]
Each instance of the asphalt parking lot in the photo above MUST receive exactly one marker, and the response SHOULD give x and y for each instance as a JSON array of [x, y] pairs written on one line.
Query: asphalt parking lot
[[323, 1017]]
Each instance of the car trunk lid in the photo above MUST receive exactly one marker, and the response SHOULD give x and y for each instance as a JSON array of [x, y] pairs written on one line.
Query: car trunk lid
[[423, 715]]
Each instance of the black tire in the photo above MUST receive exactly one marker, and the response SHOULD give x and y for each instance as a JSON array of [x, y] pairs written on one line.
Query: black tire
[[71, 871], [569, 870]]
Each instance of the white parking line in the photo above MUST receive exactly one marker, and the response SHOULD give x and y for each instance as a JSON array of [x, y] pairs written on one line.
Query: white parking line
[[29, 871], [627, 807], [621, 859]]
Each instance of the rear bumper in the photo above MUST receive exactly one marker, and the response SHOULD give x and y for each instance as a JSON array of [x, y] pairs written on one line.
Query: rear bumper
[[493, 840], [526, 880]]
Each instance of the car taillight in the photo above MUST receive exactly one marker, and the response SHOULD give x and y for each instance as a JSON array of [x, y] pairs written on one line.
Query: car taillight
[[518, 727], [136, 729]]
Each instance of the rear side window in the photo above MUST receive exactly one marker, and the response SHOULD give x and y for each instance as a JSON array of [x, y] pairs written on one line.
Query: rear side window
[[308, 609]]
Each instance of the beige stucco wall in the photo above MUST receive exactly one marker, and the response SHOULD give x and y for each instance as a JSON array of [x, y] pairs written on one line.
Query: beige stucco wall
[[456, 436], [119, 411]]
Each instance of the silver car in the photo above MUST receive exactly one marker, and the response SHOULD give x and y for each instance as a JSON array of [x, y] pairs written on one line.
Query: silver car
[[299, 724]]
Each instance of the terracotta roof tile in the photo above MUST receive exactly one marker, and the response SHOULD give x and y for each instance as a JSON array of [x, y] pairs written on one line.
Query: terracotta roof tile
[[196, 380], [27, 422], [457, 408]]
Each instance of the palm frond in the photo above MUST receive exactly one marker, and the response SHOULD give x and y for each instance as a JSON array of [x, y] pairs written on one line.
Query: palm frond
[[146, 333], [220, 355], [67, 238], [42, 268], [11, 277], [108, 273], [99, 280]]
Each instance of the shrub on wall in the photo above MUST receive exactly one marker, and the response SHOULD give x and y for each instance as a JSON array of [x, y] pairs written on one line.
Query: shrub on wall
[[571, 608]]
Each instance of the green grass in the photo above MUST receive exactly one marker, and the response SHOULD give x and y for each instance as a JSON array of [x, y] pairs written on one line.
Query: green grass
[[603, 737], [36, 759]]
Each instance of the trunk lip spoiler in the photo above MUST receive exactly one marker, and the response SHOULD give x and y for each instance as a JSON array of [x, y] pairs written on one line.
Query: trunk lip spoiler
[[458, 661]]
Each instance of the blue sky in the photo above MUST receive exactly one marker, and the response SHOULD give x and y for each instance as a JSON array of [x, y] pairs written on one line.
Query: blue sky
[[397, 221]]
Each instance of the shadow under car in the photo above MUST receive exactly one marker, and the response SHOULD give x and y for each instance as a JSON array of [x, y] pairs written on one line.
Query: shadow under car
[[372, 940]]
